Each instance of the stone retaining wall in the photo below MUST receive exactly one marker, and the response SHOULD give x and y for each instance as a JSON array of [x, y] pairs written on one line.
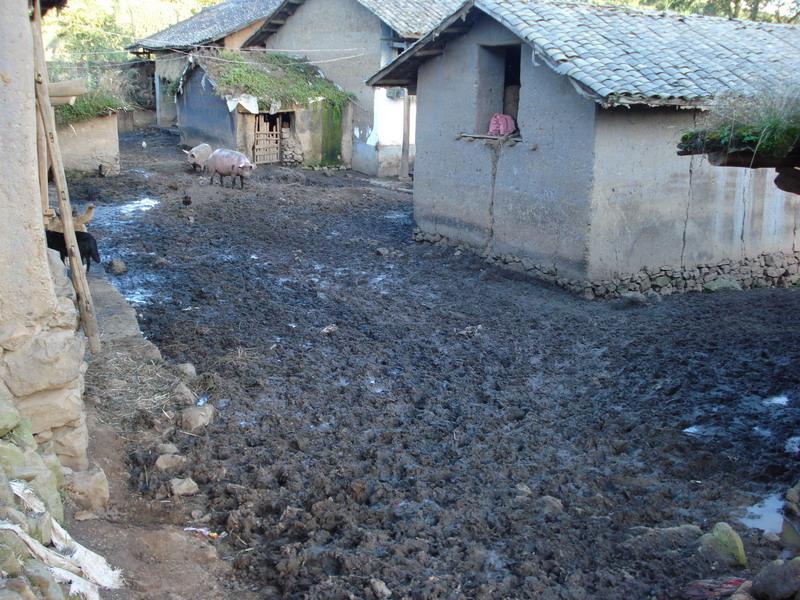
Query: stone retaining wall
[[42, 367], [777, 269], [291, 148]]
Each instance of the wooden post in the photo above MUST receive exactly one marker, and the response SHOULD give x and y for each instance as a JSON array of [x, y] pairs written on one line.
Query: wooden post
[[48, 118], [41, 158], [404, 158]]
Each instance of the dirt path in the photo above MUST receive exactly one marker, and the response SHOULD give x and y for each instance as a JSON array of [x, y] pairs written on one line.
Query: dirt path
[[423, 442]]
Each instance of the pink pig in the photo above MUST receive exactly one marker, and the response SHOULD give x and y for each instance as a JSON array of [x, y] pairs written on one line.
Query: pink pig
[[231, 163]]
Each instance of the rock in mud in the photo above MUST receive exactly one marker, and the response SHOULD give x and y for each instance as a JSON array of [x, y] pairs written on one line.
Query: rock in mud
[[380, 589], [166, 462], [721, 283], [85, 515], [195, 418], [723, 544], [630, 300], [656, 542], [187, 369], [779, 580], [183, 487], [117, 266], [88, 489], [329, 329], [549, 506], [183, 395], [167, 449]]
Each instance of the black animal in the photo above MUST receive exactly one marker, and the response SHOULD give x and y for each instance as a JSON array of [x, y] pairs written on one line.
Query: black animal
[[86, 244]]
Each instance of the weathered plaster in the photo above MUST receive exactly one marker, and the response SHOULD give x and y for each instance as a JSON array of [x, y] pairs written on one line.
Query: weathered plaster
[[513, 199], [26, 289], [88, 144], [651, 207], [40, 351]]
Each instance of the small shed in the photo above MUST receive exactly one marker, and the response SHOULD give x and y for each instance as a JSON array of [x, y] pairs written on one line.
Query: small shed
[[225, 25], [272, 108]]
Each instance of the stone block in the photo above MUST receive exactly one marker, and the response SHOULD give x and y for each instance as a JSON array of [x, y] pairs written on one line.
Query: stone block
[[183, 487], [11, 456], [9, 415], [196, 418], [167, 462], [88, 489], [65, 315], [40, 526], [53, 408], [723, 282], [41, 579], [6, 494], [9, 563], [779, 580], [22, 435], [46, 361], [70, 443], [62, 284], [724, 544]]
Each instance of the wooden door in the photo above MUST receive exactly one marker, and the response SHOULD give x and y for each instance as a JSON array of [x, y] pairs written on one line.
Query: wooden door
[[267, 148]]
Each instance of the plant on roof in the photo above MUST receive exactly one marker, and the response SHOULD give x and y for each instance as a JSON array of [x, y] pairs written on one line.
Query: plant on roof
[[767, 124], [95, 103], [271, 77]]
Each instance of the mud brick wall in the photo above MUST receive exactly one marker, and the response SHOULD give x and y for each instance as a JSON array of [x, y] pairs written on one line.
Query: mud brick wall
[[41, 351], [777, 269]]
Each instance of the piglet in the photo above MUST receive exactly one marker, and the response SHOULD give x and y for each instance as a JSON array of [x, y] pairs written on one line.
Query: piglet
[[224, 162], [198, 156]]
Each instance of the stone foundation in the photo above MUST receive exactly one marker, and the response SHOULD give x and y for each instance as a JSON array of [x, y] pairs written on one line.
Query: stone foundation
[[777, 269], [41, 369], [291, 149]]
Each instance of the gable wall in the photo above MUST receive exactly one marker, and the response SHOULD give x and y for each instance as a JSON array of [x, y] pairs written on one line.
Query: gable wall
[[648, 200], [541, 197], [237, 38], [326, 30]]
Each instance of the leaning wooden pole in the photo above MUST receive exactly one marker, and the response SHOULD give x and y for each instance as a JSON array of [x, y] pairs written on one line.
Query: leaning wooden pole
[[41, 158], [43, 104]]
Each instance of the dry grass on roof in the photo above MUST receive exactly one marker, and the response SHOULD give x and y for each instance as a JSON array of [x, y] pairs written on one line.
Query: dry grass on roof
[[271, 77], [766, 124]]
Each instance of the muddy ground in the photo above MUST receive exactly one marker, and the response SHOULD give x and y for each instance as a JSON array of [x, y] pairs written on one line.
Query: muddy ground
[[415, 443]]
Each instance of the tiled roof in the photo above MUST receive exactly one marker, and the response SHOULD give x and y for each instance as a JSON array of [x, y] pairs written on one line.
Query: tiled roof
[[210, 24], [411, 18], [618, 55]]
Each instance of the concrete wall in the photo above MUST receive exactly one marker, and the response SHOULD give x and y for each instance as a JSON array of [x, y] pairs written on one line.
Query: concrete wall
[[536, 206], [203, 117], [86, 145], [327, 30], [41, 355], [652, 208]]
